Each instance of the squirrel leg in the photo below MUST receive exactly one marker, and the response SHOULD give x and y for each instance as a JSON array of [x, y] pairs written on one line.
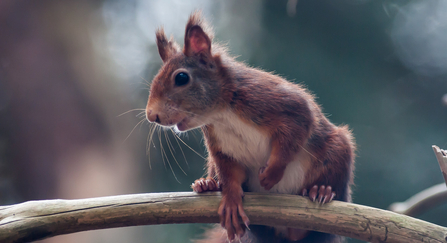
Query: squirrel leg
[[230, 209], [231, 176], [273, 172], [270, 176]]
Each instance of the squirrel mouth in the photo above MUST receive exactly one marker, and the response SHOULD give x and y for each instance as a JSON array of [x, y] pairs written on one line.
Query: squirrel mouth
[[183, 124]]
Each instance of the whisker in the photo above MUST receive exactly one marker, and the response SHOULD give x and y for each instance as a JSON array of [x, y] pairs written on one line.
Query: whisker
[[144, 79], [139, 109], [200, 116], [149, 141], [309, 153], [175, 137], [176, 108], [189, 147], [161, 148], [168, 140], [145, 120], [193, 132], [169, 146], [147, 82], [141, 114], [167, 159], [140, 122]]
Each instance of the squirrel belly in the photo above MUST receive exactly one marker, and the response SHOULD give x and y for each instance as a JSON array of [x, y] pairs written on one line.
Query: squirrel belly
[[251, 147]]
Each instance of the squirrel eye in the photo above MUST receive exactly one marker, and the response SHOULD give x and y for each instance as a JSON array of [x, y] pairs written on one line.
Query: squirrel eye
[[181, 79]]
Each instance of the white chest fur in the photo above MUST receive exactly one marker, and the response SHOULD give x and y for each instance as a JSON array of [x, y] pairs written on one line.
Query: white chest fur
[[250, 147], [241, 141]]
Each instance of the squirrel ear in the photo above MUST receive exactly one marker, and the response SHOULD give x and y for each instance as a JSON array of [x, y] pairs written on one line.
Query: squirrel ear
[[166, 48], [197, 40]]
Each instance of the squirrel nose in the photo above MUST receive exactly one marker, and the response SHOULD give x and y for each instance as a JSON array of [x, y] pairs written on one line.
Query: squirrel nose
[[152, 116]]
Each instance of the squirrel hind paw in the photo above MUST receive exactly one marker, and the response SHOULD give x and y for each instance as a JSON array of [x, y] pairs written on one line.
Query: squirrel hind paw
[[321, 194]]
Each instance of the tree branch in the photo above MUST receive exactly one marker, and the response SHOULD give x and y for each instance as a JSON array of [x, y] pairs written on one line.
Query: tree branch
[[422, 201], [441, 156], [41, 219], [428, 198]]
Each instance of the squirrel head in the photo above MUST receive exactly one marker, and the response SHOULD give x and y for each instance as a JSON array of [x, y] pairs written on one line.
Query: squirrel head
[[187, 88]]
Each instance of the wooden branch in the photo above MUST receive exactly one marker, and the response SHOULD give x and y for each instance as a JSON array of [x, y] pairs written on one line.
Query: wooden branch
[[36, 220], [441, 156]]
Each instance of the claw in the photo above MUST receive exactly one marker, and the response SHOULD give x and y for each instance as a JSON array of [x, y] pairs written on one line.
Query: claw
[[304, 193], [321, 194], [238, 239], [327, 195], [246, 225], [313, 193], [332, 196]]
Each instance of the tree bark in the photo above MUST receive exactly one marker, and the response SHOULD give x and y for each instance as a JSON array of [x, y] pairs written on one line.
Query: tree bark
[[36, 220]]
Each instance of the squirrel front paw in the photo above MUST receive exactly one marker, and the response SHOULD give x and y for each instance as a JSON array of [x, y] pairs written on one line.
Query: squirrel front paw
[[270, 176], [321, 193], [205, 185], [229, 211]]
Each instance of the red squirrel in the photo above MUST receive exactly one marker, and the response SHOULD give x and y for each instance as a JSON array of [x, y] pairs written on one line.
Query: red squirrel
[[262, 133]]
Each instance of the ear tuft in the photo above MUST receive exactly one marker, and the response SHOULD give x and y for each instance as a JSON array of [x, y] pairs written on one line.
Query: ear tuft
[[198, 35], [166, 48]]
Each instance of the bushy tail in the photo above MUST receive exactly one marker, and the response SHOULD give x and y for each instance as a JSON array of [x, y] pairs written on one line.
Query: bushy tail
[[214, 235], [265, 234]]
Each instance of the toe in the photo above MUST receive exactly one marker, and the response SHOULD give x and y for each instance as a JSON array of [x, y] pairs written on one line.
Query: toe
[[321, 194], [313, 193], [304, 192]]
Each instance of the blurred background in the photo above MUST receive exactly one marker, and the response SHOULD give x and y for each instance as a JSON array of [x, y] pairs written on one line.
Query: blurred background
[[70, 69]]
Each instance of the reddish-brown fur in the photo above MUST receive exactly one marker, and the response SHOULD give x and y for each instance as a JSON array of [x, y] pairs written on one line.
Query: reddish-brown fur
[[286, 113]]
